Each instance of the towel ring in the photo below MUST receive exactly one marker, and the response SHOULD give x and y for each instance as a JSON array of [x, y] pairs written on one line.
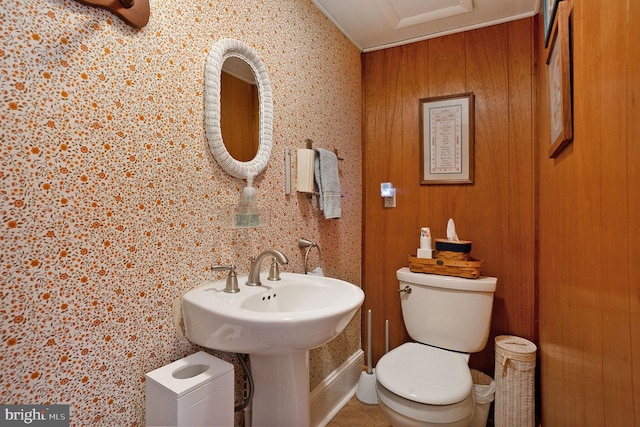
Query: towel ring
[[306, 256], [308, 244]]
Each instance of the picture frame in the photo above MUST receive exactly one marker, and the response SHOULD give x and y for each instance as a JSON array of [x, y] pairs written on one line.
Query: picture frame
[[549, 10], [559, 83], [447, 139]]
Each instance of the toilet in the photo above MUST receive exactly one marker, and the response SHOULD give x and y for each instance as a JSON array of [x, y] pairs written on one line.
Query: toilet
[[427, 382]]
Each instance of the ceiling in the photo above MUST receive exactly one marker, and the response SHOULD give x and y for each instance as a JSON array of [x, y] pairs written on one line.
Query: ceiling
[[379, 24]]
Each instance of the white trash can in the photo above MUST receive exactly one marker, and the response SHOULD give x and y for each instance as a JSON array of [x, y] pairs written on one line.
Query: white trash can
[[194, 391], [484, 389]]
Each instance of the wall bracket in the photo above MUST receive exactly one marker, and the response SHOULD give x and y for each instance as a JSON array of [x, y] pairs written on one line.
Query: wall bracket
[[133, 12]]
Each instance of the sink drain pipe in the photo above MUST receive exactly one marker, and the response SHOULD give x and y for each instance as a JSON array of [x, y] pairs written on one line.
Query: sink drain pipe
[[248, 383]]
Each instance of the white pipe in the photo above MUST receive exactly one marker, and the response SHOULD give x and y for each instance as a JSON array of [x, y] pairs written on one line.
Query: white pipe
[[369, 353]]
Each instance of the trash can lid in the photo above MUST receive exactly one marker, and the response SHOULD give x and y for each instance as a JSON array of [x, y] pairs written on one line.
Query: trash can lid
[[516, 348], [187, 374]]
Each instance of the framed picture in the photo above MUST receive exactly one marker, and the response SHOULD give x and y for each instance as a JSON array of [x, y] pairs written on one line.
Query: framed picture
[[559, 81], [446, 139], [550, 7]]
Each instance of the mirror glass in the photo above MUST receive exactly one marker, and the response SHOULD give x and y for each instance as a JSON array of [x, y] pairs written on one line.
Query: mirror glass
[[239, 107], [250, 124]]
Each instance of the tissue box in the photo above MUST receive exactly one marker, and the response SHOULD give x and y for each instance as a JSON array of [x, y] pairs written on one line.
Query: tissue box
[[459, 246], [446, 249]]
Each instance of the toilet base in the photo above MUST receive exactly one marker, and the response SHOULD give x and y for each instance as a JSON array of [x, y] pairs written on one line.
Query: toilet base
[[398, 419]]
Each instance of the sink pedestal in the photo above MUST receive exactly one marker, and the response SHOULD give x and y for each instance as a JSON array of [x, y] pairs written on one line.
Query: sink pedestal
[[281, 394]]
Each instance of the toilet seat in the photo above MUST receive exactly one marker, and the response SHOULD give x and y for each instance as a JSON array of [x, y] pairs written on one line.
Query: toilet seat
[[425, 384], [425, 374]]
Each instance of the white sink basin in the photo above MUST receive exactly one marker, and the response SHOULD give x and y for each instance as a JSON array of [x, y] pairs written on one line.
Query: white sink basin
[[297, 313], [276, 324]]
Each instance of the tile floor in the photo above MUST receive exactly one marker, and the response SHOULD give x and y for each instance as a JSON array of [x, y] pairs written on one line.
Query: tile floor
[[356, 413]]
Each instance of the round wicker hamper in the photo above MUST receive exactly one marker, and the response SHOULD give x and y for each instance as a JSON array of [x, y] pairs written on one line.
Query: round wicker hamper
[[515, 382]]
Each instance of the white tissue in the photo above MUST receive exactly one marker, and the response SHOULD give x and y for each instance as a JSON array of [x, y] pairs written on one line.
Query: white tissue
[[316, 272], [451, 231]]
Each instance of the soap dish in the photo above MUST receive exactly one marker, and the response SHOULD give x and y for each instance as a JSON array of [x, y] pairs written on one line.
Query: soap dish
[[228, 217]]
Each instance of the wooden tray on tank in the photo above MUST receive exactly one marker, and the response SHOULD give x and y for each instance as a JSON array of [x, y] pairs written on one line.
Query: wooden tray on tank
[[469, 269]]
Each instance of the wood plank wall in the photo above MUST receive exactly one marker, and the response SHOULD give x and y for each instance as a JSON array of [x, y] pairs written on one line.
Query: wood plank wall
[[496, 212], [239, 117], [589, 223]]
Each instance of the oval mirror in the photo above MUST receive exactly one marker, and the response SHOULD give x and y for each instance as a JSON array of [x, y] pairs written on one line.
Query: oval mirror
[[228, 54]]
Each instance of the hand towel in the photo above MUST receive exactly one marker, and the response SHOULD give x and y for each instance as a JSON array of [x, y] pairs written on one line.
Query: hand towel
[[178, 320], [328, 181]]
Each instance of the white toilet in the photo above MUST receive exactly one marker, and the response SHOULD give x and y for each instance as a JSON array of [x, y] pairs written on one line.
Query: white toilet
[[428, 382]]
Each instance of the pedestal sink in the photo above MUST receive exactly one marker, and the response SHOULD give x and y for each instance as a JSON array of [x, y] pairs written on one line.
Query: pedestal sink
[[276, 324]]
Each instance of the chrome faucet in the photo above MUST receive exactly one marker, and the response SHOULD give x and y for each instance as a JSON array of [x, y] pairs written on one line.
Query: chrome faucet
[[254, 272]]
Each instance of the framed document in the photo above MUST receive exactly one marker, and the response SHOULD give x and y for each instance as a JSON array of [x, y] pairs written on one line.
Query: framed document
[[446, 139]]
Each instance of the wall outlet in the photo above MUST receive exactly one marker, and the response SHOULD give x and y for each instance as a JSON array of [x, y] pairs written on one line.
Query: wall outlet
[[390, 202]]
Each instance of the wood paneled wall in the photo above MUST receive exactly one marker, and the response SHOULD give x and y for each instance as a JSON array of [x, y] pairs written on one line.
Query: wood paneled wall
[[496, 212], [239, 117], [589, 223], [583, 207]]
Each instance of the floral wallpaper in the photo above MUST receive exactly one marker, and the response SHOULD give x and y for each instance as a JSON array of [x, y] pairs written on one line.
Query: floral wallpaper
[[109, 196]]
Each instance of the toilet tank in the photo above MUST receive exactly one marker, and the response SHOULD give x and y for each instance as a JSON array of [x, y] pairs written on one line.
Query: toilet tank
[[447, 312]]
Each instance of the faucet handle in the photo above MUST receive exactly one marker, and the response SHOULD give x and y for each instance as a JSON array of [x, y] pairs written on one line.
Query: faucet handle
[[230, 268], [274, 271], [232, 278]]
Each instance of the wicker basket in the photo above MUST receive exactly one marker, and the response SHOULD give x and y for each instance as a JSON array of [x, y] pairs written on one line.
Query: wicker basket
[[514, 376], [469, 269]]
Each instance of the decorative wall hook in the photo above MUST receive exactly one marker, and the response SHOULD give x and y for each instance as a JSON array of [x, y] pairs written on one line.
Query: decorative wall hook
[[133, 12]]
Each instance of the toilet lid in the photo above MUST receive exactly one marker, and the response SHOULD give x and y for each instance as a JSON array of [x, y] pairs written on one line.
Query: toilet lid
[[425, 374]]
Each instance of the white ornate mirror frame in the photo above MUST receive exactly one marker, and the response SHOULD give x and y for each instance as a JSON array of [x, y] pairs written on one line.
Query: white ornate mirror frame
[[220, 51]]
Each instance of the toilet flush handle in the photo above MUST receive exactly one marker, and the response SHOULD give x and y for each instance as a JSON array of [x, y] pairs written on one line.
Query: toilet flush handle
[[406, 289]]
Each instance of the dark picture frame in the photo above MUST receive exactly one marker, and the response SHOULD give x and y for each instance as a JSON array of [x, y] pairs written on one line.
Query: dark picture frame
[[549, 10]]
